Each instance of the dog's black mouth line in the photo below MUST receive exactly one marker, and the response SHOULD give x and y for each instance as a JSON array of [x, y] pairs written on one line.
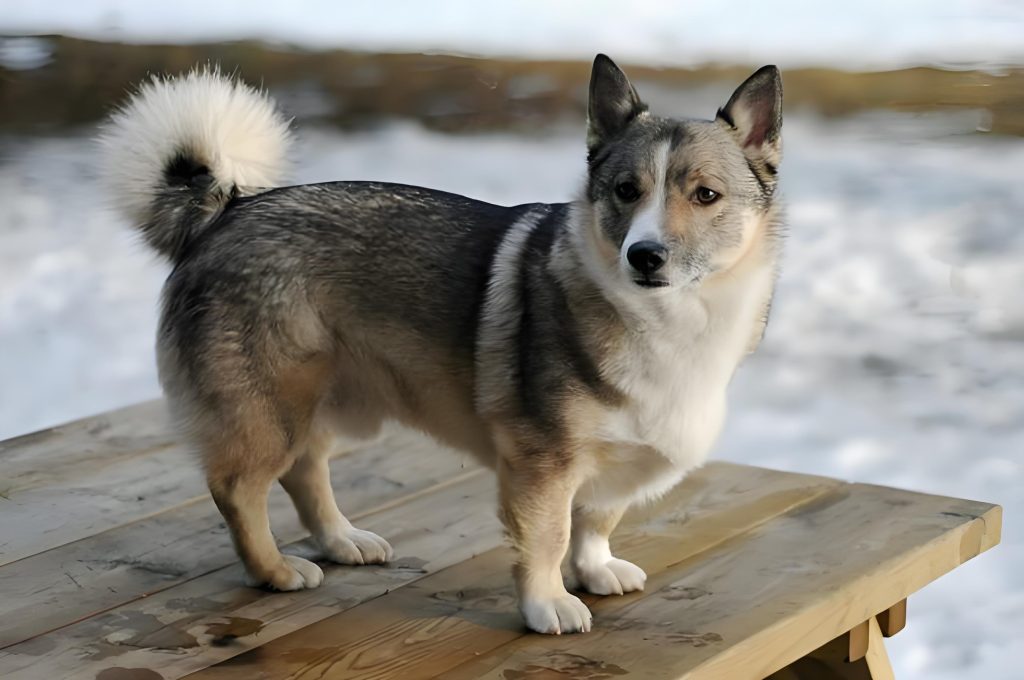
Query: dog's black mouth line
[[650, 283]]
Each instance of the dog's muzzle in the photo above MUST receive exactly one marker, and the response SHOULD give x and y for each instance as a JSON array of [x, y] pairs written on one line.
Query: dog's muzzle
[[646, 258]]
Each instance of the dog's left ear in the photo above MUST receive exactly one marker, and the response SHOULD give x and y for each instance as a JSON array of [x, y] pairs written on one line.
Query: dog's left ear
[[613, 102], [754, 115]]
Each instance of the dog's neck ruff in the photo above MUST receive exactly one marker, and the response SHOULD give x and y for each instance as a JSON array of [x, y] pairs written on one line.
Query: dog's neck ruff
[[681, 350]]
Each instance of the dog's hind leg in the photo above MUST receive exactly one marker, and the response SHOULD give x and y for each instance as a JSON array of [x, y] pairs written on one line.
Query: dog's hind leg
[[255, 431], [308, 482], [240, 475]]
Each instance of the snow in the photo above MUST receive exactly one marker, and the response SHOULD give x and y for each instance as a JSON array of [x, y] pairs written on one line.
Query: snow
[[865, 34], [895, 352]]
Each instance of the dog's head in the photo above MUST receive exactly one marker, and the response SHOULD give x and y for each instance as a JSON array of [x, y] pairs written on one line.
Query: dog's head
[[673, 202]]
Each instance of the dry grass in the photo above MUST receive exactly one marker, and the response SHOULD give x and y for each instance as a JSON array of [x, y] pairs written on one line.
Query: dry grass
[[454, 93]]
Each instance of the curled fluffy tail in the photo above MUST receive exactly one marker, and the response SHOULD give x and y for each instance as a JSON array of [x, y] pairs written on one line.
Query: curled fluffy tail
[[180, 148]]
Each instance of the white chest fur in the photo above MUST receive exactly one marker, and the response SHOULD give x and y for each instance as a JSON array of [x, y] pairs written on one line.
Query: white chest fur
[[674, 371]]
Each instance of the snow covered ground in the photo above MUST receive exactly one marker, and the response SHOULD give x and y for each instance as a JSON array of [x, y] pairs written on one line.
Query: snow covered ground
[[895, 353], [863, 34]]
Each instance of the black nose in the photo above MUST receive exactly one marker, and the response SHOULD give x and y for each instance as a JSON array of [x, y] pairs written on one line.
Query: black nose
[[646, 257]]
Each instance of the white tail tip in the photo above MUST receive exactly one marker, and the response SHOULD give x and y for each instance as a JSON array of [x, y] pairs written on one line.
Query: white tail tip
[[219, 122]]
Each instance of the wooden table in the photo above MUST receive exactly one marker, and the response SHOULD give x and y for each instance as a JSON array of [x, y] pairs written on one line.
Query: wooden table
[[115, 565]]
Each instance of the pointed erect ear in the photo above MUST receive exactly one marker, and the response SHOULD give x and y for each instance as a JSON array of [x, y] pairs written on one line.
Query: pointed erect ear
[[613, 102], [754, 115]]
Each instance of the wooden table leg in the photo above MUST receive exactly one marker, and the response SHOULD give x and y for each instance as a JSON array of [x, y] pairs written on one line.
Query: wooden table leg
[[893, 619], [857, 655], [858, 639], [877, 659]]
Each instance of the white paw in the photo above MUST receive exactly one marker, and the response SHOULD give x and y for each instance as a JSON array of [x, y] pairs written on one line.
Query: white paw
[[556, 615], [614, 577], [294, 573], [356, 546]]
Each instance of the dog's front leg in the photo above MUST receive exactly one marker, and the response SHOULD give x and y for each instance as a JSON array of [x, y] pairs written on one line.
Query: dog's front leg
[[536, 507], [593, 564]]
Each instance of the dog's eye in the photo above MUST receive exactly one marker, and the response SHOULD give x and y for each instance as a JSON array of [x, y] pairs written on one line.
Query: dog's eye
[[707, 196], [627, 191]]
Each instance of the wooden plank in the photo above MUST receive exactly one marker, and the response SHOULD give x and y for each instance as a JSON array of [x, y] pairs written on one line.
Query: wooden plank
[[212, 618], [419, 631], [36, 520], [895, 543], [66, 451], [77, 480], [764, 599], [426, 629], [74, 581]]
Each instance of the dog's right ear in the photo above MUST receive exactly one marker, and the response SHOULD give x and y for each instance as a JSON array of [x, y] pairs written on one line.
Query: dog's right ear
[[613, 102]]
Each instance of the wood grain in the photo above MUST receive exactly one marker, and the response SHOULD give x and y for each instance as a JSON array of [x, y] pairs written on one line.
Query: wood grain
[[63, 585], [468, 610], [178, 630], [63, 452], [772, 595], [740, 607], [77, 480], [113, 562]]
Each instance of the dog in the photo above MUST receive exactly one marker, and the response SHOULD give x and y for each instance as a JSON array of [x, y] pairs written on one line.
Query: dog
[[581, 349]]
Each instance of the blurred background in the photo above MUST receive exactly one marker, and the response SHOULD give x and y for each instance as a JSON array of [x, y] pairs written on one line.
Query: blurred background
[[895, 353]]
